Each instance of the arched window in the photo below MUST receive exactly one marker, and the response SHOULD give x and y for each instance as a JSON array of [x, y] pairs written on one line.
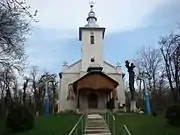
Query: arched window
[[92, 38]]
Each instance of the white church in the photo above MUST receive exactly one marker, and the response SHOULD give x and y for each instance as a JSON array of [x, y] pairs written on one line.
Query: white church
[[90, 82]]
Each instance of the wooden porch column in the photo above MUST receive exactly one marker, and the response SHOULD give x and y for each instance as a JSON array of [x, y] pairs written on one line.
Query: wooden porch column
[[110, 95], [77, 100], [107, 96]]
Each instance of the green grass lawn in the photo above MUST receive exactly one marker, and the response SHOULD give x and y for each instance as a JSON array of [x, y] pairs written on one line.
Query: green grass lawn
[[137, 124], [53, 125], [1, 127], [145, 125]]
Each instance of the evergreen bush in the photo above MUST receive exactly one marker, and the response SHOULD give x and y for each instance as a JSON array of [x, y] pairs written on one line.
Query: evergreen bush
[[20, 118], [173, 115]]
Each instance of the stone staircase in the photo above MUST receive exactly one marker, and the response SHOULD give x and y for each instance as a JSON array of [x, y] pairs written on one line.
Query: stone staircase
[[96, 125]]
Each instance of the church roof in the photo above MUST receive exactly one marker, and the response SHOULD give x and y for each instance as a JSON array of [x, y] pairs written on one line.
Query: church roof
[[99, 73], [74, 63]]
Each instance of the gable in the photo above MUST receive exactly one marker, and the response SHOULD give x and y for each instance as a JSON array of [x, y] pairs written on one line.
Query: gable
[[73, 68]]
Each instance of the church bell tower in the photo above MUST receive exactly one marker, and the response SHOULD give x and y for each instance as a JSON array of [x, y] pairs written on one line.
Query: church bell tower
[[91, 37]]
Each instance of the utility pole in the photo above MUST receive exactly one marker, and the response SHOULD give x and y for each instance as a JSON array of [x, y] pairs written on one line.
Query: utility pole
[[143, 76]]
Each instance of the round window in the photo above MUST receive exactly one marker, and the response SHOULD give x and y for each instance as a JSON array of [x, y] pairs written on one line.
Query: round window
[[92, 60]]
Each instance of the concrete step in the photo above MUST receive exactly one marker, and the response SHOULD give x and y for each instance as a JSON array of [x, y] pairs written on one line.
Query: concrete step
[[104, 127], [94, 116], [95, 120], [96, 125], [99, 122], [97, 131], [99, 134]]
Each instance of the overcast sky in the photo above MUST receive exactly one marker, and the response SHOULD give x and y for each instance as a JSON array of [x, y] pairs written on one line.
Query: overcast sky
[[129, 24]]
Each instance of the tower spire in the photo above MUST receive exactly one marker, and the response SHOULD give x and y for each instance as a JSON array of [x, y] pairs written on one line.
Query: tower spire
[[91, 3], [91, 19]]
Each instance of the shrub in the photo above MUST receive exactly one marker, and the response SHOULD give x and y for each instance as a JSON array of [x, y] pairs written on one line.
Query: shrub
[[173, 115], [20, 119]]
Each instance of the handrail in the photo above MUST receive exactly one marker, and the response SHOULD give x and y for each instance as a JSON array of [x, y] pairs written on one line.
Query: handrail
[[112, 116], [76, 125], [114, 126], [125, 130], [107, 118]]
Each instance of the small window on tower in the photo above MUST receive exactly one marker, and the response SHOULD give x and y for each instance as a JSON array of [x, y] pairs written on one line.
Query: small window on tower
[[92, 39]]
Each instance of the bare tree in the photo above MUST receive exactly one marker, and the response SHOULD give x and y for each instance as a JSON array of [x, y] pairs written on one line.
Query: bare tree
[[34, 76], [149, 60], [7, 79], [170, 50], [25, 85], [15, 91], [14, 28]]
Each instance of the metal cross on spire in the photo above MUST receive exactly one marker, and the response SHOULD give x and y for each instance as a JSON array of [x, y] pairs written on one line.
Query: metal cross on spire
[[91, 3]]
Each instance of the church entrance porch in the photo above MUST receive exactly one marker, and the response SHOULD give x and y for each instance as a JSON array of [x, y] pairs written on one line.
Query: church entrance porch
[[94, 90], [90, 99]]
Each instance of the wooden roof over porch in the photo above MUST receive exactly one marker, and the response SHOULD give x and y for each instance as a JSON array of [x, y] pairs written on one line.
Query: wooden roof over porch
[[96, 80]]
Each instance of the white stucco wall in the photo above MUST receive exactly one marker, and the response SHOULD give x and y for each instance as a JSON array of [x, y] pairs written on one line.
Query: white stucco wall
[[91, 50], [107, 68], [116, 74], [65, 104], [120, 88]]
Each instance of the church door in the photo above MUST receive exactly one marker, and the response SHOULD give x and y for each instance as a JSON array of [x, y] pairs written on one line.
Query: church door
[[92, 101]]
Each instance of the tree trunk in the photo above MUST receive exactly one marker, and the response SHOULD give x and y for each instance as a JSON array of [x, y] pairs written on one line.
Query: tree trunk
[[175, 96], [133, 102]]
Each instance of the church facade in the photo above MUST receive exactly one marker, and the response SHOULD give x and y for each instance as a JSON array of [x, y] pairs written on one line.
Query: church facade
[[90, 82]]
